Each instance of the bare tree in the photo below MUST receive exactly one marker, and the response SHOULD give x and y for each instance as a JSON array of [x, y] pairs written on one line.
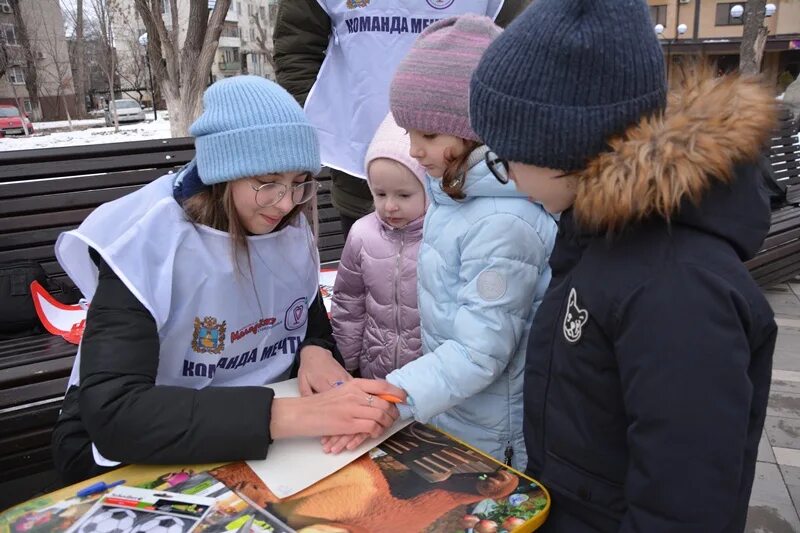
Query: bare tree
[[182, 66], [74, 20], [105, 12], [754, 37], [27, 56], [56, 68], [132, 67], [264, 42], [80, 89]]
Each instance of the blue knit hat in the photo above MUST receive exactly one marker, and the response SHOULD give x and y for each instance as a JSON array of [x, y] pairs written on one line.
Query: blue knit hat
[[564, 77], [251, 126]]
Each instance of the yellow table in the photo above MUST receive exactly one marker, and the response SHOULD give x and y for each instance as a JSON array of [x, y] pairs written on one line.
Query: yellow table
[[418, 480]]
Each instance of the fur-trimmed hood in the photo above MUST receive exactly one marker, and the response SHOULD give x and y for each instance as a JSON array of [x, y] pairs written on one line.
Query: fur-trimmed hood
[[667, 165]]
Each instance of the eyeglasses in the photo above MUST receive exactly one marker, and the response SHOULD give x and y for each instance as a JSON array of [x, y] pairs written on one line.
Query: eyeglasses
[[269, 194], [498, 167]]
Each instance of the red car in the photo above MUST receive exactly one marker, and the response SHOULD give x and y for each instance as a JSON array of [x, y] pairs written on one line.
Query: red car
[[11, 121]]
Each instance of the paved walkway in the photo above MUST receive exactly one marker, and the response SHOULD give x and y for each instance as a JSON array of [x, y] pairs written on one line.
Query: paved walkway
[[775, 502]]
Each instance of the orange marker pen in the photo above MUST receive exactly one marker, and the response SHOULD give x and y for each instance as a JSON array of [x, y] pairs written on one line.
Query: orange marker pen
[[389, 398]]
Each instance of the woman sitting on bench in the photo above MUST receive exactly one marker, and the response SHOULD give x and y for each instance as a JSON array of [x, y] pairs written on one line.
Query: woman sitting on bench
[[204, 288]]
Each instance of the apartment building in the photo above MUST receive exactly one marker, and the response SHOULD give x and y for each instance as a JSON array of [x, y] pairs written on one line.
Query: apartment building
[[47, 51], [713, 29]]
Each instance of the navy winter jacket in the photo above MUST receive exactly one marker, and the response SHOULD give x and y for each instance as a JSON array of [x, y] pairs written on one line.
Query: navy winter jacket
[[648, 367]]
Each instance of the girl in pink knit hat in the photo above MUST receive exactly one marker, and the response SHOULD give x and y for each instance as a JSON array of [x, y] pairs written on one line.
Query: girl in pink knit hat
[[483, 262], [374, 313]]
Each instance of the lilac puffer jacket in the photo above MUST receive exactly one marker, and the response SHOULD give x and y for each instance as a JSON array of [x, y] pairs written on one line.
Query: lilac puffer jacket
[[374, 313]]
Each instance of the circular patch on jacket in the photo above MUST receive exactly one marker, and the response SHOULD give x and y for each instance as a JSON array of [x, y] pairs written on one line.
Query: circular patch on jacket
[[440, 4], [296, 315], [491, 285]]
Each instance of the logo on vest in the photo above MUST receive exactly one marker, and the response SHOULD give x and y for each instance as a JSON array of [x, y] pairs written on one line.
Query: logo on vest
[[440, 4], [575, 319], [255, 327], [208, 336], [296, 315], [355, 4]]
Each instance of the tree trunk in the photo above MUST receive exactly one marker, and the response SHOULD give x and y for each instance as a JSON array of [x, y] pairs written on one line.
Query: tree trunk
[[754, 37], [66, 110], [178, 124], [31, 72], [111, 53], [20, 107], [80, 58], [182, 69]]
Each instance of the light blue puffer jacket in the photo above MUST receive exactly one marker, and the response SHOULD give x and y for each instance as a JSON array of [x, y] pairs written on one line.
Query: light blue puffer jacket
[[482, 272]]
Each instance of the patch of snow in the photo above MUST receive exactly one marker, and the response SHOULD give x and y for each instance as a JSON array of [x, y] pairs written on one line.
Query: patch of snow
[[140, 131], [77, 124]]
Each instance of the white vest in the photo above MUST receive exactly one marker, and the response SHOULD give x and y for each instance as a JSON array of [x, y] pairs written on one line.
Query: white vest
[[217, 325], [369, 39]]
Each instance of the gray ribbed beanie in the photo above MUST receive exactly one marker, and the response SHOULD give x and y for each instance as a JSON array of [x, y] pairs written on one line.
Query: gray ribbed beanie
[[564, 77]]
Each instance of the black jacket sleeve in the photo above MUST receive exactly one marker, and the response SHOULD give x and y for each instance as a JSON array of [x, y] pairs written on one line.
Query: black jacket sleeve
[[71, 445], [301, 35], [131, 419]]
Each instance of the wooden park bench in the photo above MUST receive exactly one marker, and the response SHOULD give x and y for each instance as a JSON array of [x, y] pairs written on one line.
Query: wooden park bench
[[779, 259], [42, 194]]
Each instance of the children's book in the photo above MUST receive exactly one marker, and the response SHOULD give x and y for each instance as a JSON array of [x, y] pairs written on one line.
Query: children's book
[[230, 512], [417, 480], [136, 510]]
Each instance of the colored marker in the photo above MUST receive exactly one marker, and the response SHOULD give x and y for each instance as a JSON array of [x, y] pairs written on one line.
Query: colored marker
[[100, 486], [389, 398]]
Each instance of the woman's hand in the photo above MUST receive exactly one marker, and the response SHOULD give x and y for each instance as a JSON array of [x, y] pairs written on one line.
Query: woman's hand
[[340, 443], [351, 409], [319, 371]]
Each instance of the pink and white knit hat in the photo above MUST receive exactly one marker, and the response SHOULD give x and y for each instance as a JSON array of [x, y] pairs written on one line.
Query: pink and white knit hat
[[430, 90], [392, 142]]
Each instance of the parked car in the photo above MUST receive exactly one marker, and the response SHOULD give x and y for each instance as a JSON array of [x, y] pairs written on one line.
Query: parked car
[[127, 111], [11, 121]]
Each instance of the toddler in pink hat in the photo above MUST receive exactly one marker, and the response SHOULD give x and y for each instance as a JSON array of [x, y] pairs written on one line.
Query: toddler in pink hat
[[374, 313]]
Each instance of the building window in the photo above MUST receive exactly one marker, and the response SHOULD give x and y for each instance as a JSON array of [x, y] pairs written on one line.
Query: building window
[[230, 55], [26, 104], [250, 10], [658, 14], [7, 34], [16, 76], [165, 6], [273, 11], [252, 35], [230, 29], [262, 12], [724, 17], [239, 8]]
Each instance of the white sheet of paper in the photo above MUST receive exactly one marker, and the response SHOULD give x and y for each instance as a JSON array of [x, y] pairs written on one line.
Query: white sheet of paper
[[295, 464]]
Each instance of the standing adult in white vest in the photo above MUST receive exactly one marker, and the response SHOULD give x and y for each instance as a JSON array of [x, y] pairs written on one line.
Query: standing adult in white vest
[[348, 51], [204, 288]]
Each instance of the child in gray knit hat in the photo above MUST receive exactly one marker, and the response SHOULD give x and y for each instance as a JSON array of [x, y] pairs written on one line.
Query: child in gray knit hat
[[648, 365]]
